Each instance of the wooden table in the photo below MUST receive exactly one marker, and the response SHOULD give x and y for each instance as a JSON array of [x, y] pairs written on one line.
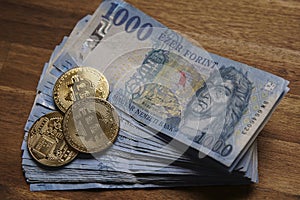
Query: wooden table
[[263, 33]]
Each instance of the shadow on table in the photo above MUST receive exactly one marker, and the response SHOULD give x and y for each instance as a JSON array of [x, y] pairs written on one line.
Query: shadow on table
[[217, 192]]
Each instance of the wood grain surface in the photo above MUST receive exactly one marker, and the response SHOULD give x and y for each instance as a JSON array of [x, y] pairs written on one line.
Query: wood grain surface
[[261, 33]]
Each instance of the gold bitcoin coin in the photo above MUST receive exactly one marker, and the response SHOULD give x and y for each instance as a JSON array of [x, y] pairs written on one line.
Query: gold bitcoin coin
[[46, 142], [79, 83], [91, 125]]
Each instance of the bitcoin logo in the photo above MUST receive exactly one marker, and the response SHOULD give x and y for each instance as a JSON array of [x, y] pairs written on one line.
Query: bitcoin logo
[[77, 84], [91, 125]]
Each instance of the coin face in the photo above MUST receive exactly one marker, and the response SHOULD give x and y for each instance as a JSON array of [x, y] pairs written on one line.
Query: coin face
[[46, 142], [79, 83], [91, 125]]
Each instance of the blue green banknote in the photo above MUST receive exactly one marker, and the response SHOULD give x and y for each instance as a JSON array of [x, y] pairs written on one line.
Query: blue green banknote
[[161, 93], [173, 86], [170, 85]]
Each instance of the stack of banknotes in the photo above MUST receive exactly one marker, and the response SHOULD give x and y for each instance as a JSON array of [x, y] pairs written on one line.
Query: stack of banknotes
[[187, 117]]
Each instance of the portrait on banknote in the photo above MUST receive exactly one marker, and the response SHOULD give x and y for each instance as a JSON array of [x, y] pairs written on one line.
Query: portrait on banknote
[[218, 105]]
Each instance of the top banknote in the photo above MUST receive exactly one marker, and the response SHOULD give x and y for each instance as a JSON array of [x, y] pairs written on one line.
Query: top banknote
[[172, 86]]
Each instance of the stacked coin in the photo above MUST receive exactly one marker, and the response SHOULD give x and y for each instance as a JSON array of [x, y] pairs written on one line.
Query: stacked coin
[[88, 124]]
